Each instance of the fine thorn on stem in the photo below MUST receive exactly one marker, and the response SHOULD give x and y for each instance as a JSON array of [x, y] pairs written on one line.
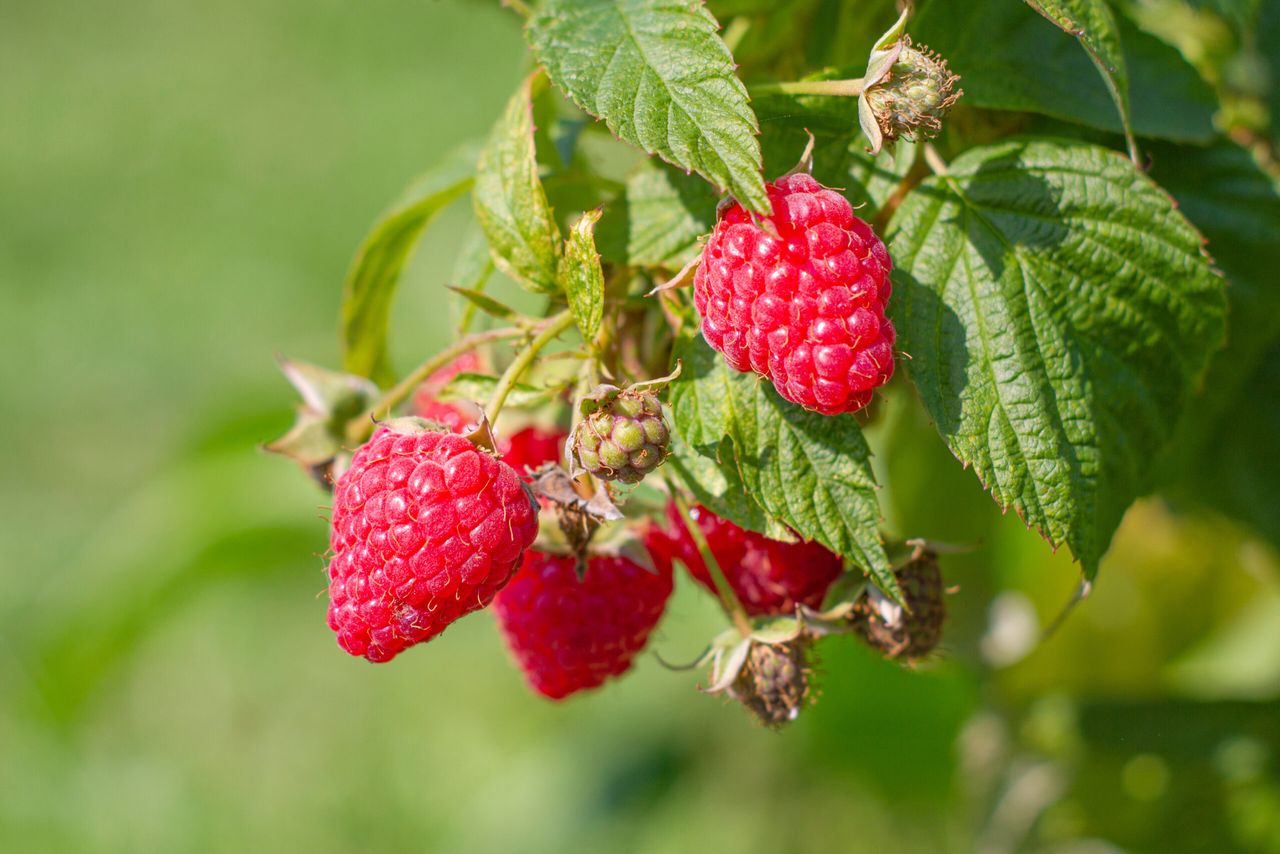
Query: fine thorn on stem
[[850, 88], [359, 428], [557, 324], [728, 599]]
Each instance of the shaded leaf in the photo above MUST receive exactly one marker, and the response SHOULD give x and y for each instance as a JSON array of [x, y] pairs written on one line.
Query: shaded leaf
[[1058, 312], [1094, 24], [1010, 58], [659, 219]]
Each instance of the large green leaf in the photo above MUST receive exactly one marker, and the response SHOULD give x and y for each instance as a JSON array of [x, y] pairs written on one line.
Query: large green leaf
[[371, 282], [809, 472], [1094, 24], [1236, 206], [1058, 312], [1224, 451], [511, 204], [1010, 58], [660, 76], [1238, 470], [659, 218]]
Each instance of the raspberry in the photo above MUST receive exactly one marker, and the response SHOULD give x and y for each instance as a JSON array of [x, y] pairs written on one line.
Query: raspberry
[[569, 634], [426, 528], [906, 635], [800, 298], [774, 681], [531, 447], [769, 577], [623, 436]]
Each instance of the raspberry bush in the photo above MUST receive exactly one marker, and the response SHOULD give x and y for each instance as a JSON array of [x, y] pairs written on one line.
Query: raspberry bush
[[749, 241]]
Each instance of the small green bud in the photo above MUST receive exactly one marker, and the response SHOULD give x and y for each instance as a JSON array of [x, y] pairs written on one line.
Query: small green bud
[[911, 99]]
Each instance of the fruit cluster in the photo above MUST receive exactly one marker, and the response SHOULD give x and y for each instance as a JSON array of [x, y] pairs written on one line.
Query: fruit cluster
[[435, 517]]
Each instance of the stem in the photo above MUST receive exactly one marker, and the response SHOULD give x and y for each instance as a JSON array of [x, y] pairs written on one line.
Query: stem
[[931, 156], [850, 88], [516, 369], [728, 599], [519, 6], [359, 428]]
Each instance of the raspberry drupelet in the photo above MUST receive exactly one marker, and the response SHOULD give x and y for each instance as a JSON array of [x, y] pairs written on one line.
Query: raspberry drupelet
[[800, 297]]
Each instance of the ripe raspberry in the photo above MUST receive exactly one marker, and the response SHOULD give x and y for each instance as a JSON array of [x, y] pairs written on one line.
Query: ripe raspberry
[[623, 436], [532, 447], [570, 635], [426, 528], [769, 577], [800, 299]]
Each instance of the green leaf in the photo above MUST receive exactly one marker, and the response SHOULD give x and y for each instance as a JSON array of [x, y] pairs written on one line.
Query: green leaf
[[659, 219], [661, 78], [486, 303], [1236, 206], [1094, 24], [371, 282], [719, 488], [471, 271], [1238, 471], [1010, 58], [809, 472], [1058, 312], [582, 278], [1224, 451], [477, 388], [511, 204]]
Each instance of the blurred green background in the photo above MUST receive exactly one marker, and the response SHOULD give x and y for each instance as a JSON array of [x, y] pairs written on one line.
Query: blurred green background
[[182, 187]]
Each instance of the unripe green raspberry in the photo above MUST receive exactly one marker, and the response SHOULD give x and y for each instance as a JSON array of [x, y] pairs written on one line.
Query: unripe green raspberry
[[910, 101], [622, 435]]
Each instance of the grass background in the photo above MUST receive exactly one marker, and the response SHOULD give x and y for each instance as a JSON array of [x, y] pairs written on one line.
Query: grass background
[[182, 187]]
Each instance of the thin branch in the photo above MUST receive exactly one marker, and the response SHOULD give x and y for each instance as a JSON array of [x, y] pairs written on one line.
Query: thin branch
[[359, 428], [516, 369], [850, 88], [728, 599]]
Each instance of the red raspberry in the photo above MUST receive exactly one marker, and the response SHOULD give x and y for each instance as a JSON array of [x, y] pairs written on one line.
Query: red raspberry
[[800, 298], [770, 577], [571, 635], [426, 528], [532, 447]]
